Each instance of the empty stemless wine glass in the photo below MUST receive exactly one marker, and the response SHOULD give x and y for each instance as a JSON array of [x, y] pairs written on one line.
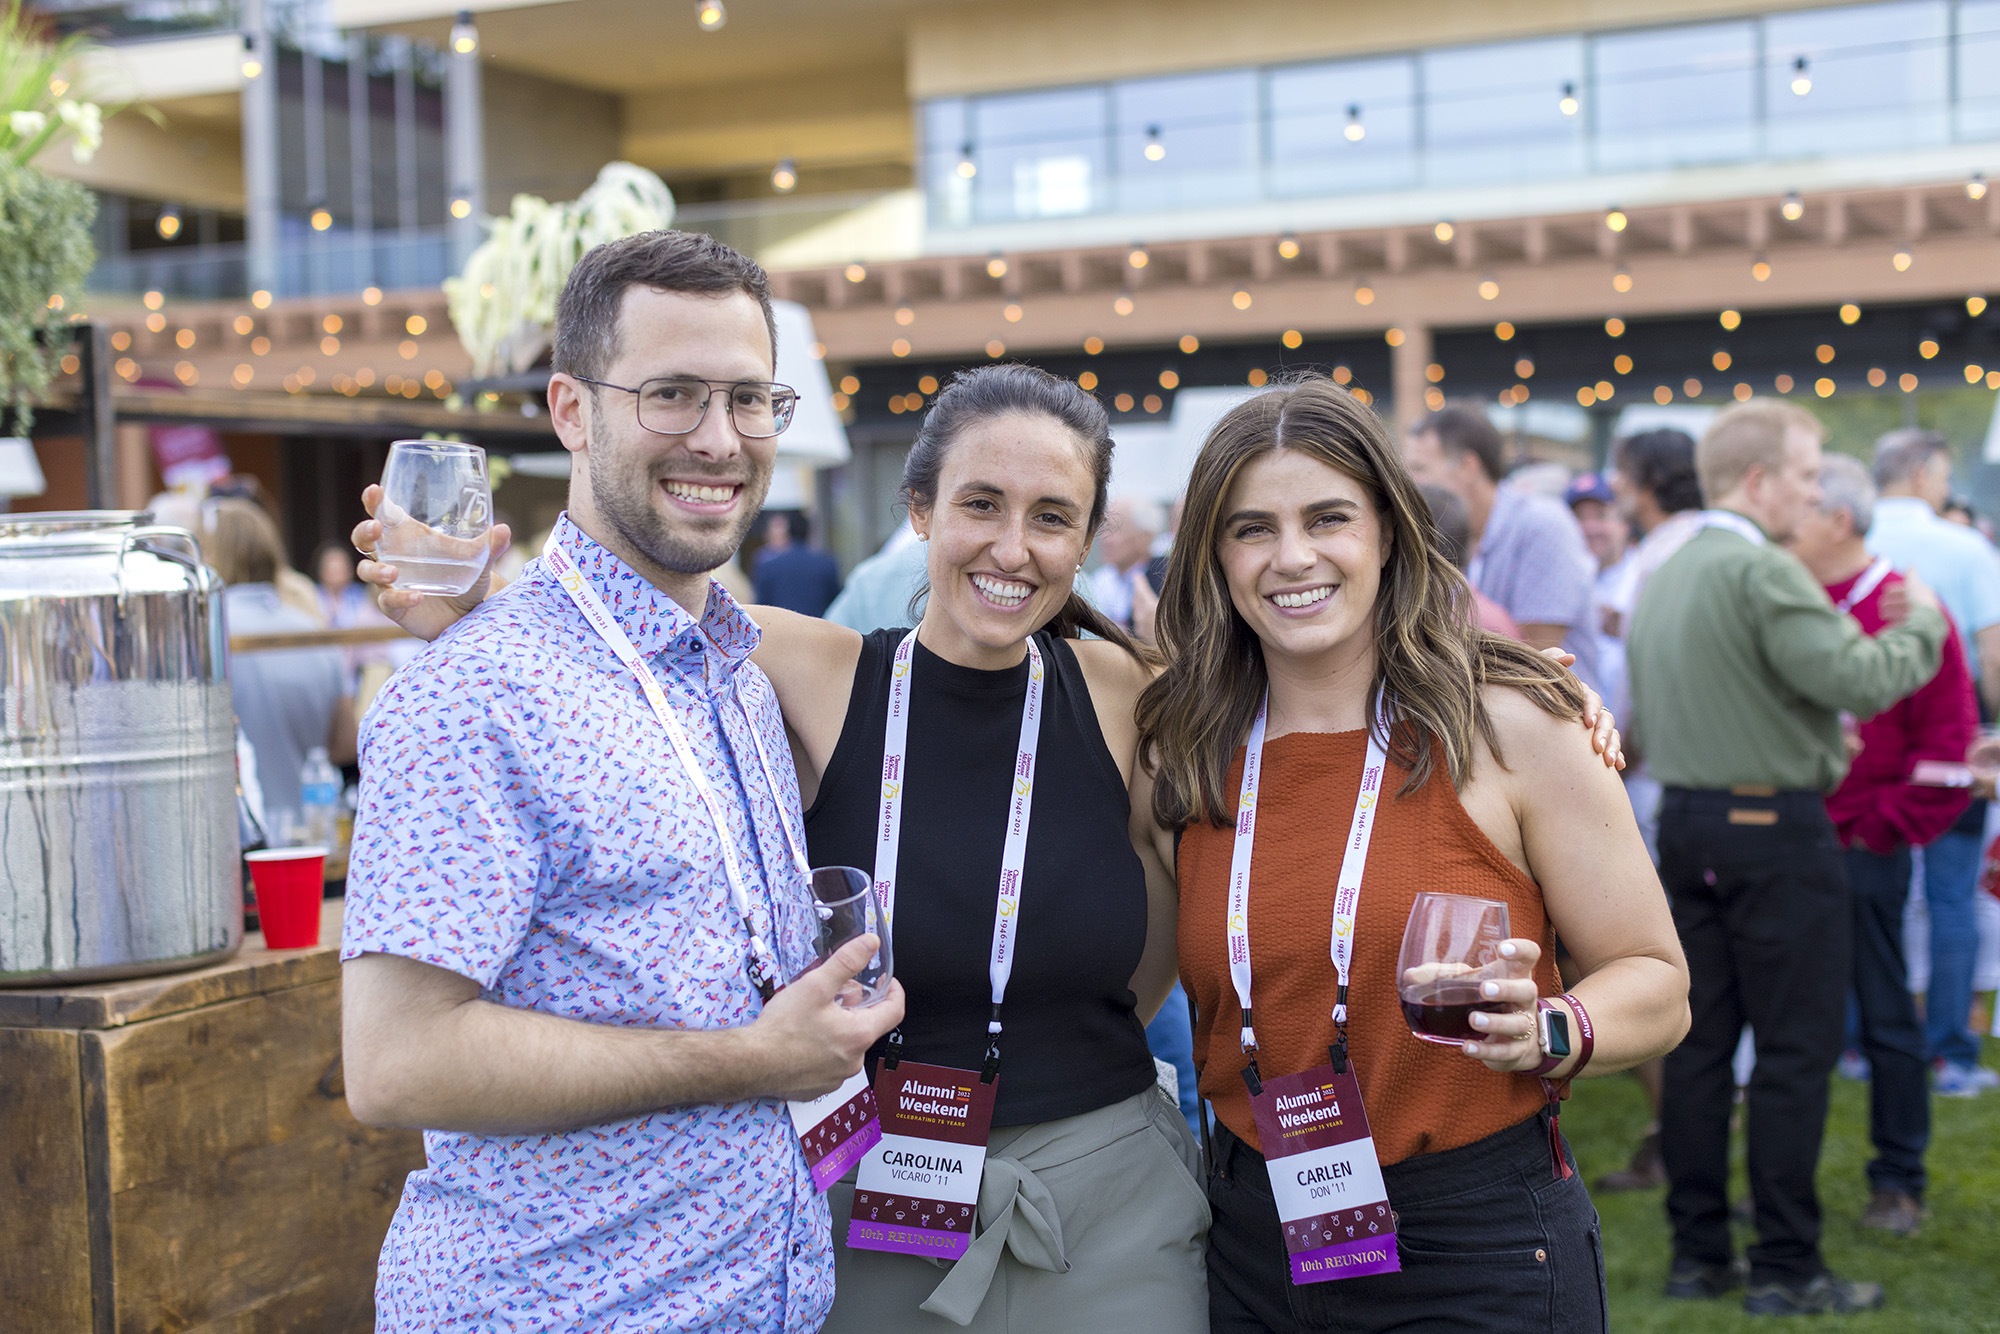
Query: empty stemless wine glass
[[1450, 947], [844, 908], [436, 511]]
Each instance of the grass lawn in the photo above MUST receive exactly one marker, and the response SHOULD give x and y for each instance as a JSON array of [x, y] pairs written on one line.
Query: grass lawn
[[1946, 1280]]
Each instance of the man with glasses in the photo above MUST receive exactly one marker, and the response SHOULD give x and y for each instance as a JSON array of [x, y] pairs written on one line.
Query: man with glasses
[[575, 882]]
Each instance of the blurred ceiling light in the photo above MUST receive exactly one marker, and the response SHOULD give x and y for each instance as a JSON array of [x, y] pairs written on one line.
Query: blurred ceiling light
[[252, 66], [464, 36], [1801, 80], [785, 176], [967, 168], [1567, 103], [1355, 130], [1155, 150], [710, 14]]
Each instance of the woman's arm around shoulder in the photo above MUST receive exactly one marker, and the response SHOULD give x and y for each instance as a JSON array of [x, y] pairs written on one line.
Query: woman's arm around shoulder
[[1115, 679], [811, 664], [1574, 833]]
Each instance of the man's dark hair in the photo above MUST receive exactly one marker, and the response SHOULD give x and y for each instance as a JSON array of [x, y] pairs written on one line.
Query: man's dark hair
[[1661, 462], [1464, 428], [690, 262], [797, 527]]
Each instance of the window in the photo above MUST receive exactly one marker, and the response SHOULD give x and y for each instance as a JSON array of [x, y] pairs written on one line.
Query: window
[[1675, 97], [1493, 113], [1878, 79], [1201, 131], [1345, 128], [1039, 154], [1979, 69]]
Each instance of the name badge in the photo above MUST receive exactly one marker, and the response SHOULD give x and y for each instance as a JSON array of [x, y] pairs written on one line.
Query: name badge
[[915, 1192], [836, 1128], [1325, 1177]]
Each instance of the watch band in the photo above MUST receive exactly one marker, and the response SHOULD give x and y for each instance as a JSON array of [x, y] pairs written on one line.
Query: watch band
[[1584, 1041]]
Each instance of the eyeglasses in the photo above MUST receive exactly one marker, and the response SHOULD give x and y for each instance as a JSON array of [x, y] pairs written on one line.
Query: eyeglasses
[[675, 404]]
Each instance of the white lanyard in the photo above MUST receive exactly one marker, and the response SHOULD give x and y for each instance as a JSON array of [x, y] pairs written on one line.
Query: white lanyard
[[1347, 893], [1014, 853], [1735, 523], [763, 969], [1870, 580]]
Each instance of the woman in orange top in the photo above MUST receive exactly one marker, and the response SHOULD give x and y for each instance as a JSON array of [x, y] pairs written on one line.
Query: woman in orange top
[[1307, 585]]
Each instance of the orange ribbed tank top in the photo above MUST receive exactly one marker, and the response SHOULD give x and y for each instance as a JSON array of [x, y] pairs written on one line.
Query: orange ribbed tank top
[[1420, 1097]]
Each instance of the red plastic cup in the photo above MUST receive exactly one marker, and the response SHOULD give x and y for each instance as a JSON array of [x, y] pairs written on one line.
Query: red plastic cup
[[290, 883]]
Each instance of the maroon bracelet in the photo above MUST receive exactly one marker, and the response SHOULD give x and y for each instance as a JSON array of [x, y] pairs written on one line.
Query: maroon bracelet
[[1585, 1041], [1556, 1092]]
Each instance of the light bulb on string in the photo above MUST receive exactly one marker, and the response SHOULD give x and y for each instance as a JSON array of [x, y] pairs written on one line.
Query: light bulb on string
[[710, 14], [785, 176], [464, 36], [1567, 103], [1155, 150], [1976, 187], [967, 168], [252, 66], [168, 224], [1793, 208], [1801, 79], [1355, 130], [1288, 246]]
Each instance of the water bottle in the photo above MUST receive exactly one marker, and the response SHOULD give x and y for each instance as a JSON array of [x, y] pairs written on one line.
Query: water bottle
[[319, 797]]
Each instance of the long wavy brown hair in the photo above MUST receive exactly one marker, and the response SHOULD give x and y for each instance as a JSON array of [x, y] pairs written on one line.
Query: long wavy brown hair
[[1431, 658]]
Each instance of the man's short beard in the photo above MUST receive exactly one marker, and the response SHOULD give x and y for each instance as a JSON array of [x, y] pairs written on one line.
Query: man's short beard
[[629, 510]]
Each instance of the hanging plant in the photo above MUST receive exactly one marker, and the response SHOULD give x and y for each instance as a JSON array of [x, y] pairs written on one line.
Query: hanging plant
[[504, 304], [45, 247]]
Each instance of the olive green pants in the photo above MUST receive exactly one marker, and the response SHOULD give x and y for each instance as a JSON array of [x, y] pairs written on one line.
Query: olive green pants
[[1094, 1222]]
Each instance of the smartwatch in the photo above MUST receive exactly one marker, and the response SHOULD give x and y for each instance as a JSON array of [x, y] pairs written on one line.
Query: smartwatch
[[1553, 1034]]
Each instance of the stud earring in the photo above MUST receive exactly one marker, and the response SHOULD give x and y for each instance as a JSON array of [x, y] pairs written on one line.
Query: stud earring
[[923, 537], [1079, 569]]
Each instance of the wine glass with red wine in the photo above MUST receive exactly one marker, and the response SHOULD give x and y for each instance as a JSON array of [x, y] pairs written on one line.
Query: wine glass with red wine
[[1451, 947]]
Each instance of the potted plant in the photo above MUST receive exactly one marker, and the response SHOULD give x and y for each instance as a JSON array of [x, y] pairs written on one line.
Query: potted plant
[[45, 246]]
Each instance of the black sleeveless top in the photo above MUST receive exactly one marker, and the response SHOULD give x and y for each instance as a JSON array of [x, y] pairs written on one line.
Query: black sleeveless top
[[1072, 1042]]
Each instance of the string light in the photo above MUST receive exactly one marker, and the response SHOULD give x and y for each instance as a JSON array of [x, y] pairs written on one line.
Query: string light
[[1902, 259], [967, 168], [1793, 208], [1444, 231], [1155, 150], [1621, 279], [1615, 327], [1760, 268], [856, 273], [1976, 187], [1567, 103], [1975, 306], [710, 15], [1138, 257], [169, 223], [1730, 319], [996, 267], [252, 67], [1503, 331], [1801, 80], [1489, 288], [464, 36], [1355, 130], [1850, 313], [1616, 220], [785, 176], [322, 219], [1288, 246]]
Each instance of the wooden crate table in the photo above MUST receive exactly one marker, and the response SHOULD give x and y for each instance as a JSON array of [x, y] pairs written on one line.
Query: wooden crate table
[[176, 1154]]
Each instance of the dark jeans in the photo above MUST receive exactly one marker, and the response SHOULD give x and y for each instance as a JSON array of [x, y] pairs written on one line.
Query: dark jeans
[[1892, 1037], [1766, 920], [1951, 887], [1489, 1240]]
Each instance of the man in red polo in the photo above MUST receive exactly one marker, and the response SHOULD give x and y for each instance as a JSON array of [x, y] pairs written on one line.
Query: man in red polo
[[1883, 808]]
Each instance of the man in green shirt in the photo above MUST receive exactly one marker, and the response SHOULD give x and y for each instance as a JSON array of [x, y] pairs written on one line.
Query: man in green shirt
[[1740, 670]]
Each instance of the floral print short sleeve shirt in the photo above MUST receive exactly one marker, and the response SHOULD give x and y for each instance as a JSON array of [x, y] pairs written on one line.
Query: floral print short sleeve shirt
[[524, 823]]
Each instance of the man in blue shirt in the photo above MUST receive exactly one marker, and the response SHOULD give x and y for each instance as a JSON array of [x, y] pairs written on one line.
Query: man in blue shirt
[[1913, 473], [552, 898], [791, 574]]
